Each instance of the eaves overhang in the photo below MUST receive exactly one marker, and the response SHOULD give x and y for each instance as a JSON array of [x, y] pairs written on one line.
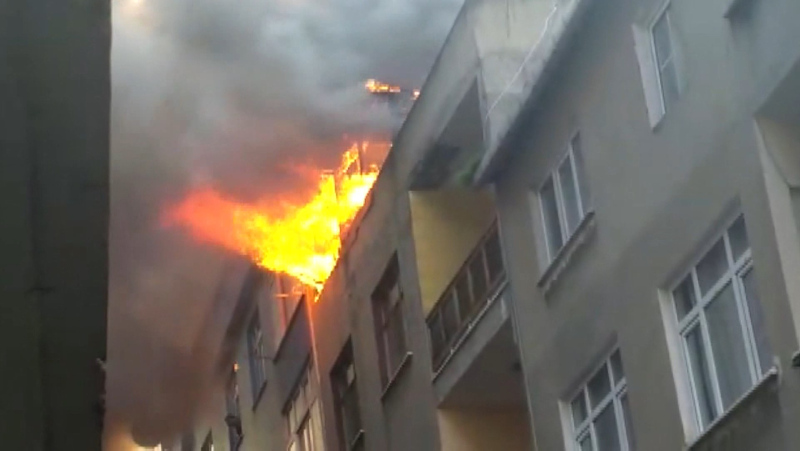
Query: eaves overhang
[[541, 63]]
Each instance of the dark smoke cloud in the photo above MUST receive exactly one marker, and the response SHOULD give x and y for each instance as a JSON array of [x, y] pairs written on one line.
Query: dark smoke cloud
[[232, 94]]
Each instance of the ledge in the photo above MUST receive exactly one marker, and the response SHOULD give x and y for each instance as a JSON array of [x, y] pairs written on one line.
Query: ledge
[[564, 255], [769, 379], [396, 376]]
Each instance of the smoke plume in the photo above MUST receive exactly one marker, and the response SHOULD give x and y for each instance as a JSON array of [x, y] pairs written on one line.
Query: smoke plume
[[237, 95]]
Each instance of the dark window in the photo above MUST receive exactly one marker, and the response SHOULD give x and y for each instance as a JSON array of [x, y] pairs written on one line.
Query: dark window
[[302, 414], [345, 397], [256, 356], [233, 417], [389, 327]]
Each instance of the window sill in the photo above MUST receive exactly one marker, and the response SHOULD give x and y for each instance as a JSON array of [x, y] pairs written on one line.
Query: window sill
[[396, 376], [767, 380], [564, 255], [259, 394]]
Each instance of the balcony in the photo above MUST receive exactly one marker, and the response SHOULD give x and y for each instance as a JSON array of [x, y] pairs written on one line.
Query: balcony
[[474, 287]]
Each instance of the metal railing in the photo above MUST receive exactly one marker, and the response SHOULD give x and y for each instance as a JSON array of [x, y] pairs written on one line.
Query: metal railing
[[473, 286]]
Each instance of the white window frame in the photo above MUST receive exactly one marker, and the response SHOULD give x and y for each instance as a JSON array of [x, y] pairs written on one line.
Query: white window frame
[[303, 417], [619, 389], [737, 269], [658, 65], [649, 67], [554, 177]]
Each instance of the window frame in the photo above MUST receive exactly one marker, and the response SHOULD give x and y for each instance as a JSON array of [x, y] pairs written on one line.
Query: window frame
[[300, 424], [553, 176], [618, 390], [663, 14], [384, 309], [346, 390], [256, 357], [696, 317]]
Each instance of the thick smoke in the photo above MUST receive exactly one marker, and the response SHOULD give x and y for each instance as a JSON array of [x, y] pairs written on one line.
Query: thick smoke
[[235, 94]]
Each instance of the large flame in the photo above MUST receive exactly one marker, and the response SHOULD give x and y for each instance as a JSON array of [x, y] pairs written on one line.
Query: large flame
[[301, 240]]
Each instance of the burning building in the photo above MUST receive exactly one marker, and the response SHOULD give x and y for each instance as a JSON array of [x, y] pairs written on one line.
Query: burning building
[[516, 280]]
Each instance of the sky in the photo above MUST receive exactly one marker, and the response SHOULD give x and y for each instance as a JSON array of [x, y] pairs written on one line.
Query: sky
[[236, 95]]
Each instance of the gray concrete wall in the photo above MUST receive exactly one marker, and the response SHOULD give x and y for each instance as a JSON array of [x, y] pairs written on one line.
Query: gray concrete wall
[[54, 80], [660, 196]]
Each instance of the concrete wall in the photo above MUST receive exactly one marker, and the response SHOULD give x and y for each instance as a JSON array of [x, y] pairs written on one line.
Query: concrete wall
[[54, 82], [660, 196], [484, 430], [446, 225]]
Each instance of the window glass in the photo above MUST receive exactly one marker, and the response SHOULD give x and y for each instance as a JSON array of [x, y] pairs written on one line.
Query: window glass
[[579, 413], [477, 273], [607, 432], [727, 343], [580, 168], [599, 387], [684, 297], [757, 319], [738, 237], [602, 421], [704, 396], [712, 267], [669, 84], [494, 257], [450, 318], [586, 443], [616, 367], [464, 294], [661, 40], [626, 416], [552, 224], [569, 194]]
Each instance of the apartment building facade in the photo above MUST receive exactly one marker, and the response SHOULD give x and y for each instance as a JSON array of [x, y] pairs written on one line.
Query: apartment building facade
[[599, 254]]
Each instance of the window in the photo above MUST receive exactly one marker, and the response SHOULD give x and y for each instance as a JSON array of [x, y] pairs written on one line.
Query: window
[[302, 415], [287, 298], [564, 199], [720, 323], [599, 414], [208, 443], [233, 417], [387, 302], [257, 357], [664, 57], [658, 55], [345, 398]]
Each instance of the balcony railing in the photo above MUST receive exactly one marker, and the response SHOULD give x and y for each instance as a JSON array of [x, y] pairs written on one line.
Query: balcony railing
[[472, 288]]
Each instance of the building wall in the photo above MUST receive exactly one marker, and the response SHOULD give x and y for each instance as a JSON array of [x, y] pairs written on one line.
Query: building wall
[[54, 80], [660, 197], [446, 224]]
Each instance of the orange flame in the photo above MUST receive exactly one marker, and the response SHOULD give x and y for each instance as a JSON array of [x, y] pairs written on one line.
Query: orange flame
[[300, 240], [374, 86]]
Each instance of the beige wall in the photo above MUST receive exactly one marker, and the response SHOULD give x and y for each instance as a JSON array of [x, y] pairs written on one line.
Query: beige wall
[[446, 226], [484, 430]]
